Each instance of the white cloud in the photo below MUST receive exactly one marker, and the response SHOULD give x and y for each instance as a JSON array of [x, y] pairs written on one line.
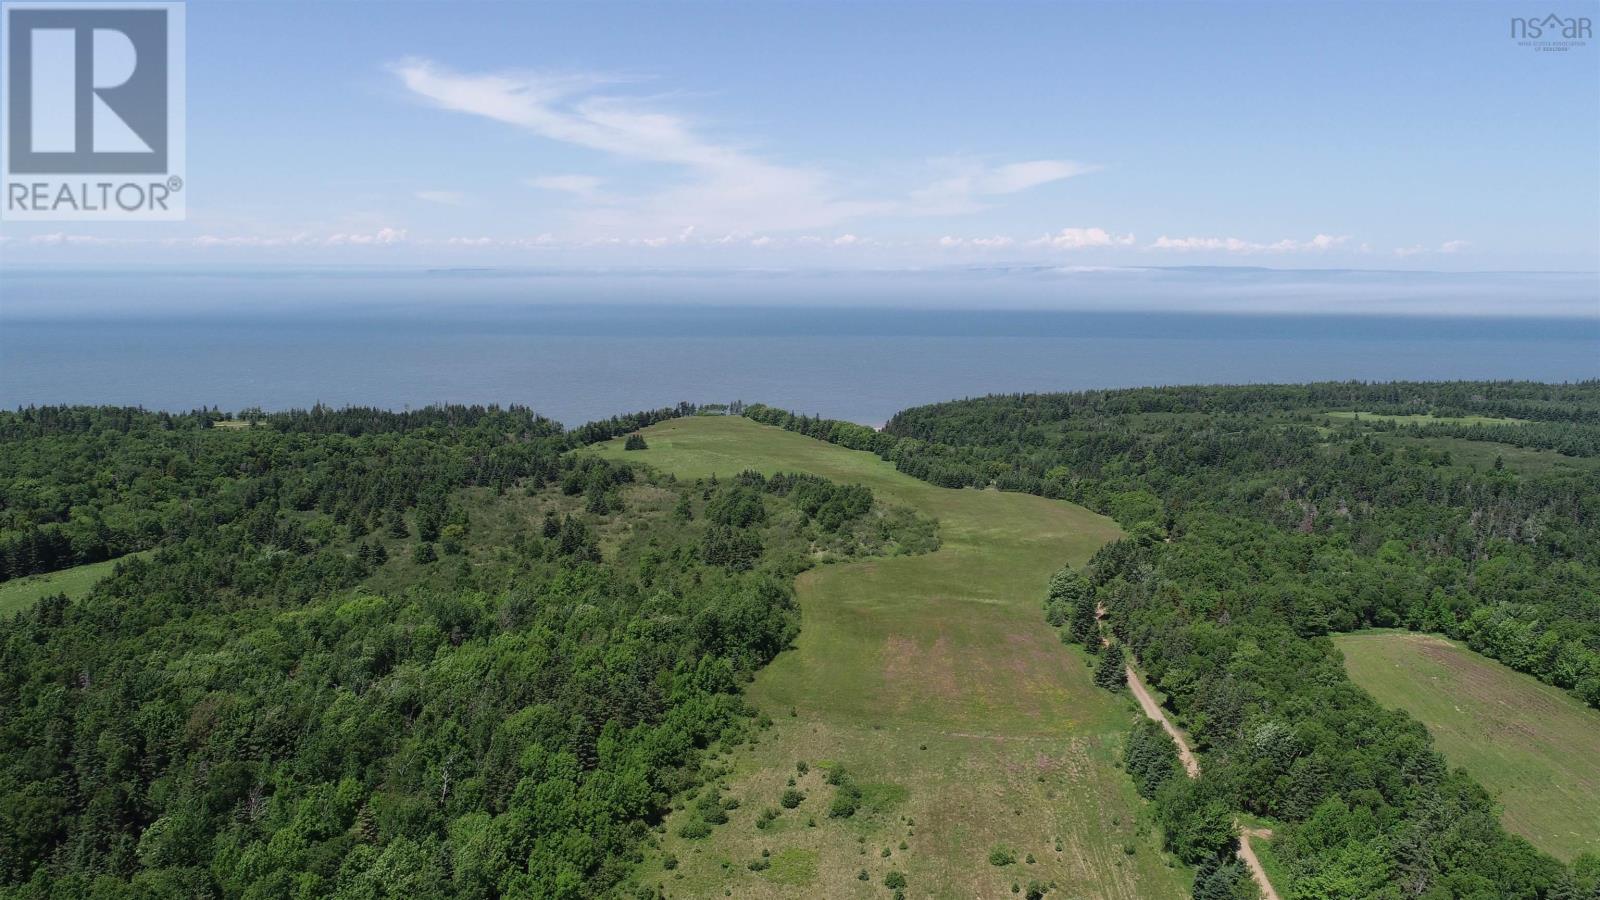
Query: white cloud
[[1318, 243], [381, 237], [964, 190], [578, 185], [448, 198], [727, 188], [1447, 247], [998, 240], [1079, 238]]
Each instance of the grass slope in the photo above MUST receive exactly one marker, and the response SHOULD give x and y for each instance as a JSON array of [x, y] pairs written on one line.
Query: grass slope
[[934, 681], [1424, 418], [21, 593], [1534, 746]]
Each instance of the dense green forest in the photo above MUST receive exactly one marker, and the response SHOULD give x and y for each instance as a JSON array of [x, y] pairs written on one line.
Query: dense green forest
[[1262, 518], [436, 653], [424, 654]]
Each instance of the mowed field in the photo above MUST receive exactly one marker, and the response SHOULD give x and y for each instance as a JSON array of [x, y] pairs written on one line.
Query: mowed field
[[935, 682], [1536, 748], [21, 593]]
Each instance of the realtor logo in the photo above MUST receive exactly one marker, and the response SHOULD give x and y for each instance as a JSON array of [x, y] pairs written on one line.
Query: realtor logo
[[94, 103]]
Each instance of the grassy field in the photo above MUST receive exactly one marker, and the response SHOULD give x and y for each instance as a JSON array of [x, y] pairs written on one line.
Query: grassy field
[[1534, 746], [934, 681], [1482, 454], [1423, 418], [22, 593]]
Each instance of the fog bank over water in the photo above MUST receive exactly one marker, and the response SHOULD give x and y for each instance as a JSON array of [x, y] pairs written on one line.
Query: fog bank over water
[[581, 346], [34, 293]]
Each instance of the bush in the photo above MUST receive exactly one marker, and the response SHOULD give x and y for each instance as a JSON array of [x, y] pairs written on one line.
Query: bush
[[791, 798], [694, 830], [1002, 856], [635, 442], [894, 881], [844, 804]]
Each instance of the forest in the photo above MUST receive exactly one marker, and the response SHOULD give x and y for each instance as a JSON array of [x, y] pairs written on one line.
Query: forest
[[1260, 520], [437, 653], [372, 654]]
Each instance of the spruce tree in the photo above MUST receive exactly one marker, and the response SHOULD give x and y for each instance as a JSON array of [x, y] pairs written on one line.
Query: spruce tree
[[1111, 674], [1085, 628]]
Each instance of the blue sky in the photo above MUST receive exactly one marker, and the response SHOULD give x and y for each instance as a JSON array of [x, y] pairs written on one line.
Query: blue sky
[[1291, 135]]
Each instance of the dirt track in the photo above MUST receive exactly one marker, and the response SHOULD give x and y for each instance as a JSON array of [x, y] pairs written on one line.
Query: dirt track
[[1148, 703], [1191, 765]]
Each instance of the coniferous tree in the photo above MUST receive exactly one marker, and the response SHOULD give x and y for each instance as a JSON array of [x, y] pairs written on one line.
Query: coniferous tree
[[1085, 627], [1111, 673]]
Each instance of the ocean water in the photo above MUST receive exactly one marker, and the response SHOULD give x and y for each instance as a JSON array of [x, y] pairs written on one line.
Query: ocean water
[[278, 343]]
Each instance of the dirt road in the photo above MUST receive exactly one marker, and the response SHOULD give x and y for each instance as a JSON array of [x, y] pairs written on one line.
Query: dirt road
[[1153, 711], [1191, 765], [1248, 854]]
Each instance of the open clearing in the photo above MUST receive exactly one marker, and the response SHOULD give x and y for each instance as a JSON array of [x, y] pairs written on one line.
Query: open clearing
[[21, 593], [1422, 418], [1536, 748], [935, 682]]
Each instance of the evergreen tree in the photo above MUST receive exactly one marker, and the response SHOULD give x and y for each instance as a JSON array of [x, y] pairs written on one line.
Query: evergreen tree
[[1085, 627], [1111, 673]]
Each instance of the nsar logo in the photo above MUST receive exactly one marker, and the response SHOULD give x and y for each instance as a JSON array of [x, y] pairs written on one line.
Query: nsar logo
[[1552, 33]]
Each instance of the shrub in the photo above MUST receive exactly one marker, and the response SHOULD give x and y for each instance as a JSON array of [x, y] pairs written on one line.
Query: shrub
[[694, 830], [894, 881], [846, 800], [669, 862], [635, 442], [1002, 856], [791, 798]]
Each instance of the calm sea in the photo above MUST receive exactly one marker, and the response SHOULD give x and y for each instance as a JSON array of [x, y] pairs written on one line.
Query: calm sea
[[294, 343]]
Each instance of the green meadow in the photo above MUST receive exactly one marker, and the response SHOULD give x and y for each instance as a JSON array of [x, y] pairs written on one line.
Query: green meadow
[[1535, 747], [21, 593], [1422, 418], [935, 683]]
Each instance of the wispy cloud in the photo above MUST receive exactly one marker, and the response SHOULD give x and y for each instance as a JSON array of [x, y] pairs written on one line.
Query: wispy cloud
[[1079, 238], [1318, 243], [585, 186], [1448, 247], [971, 183], [447, 198], [721, 187]]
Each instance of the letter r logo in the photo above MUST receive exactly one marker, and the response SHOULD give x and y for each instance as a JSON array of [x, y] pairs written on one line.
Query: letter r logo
[[86, 90]]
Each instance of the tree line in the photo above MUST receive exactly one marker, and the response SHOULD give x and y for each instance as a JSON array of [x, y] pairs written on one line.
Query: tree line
[[247, 712], [1255, 526]]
